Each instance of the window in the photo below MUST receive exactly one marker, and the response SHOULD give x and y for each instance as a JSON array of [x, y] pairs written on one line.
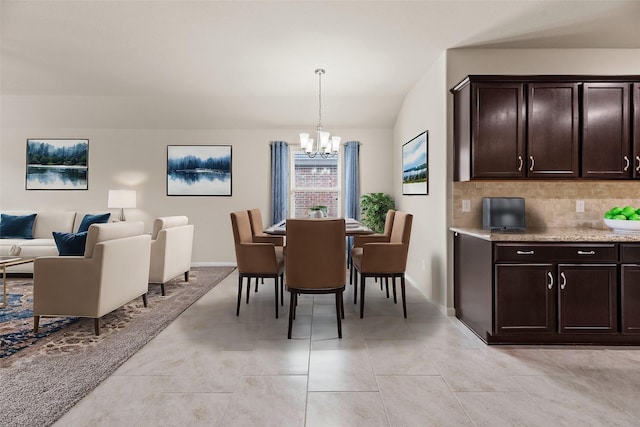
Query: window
[[314, 182]]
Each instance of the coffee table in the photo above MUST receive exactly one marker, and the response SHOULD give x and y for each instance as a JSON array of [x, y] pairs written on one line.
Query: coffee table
[[8, 261]]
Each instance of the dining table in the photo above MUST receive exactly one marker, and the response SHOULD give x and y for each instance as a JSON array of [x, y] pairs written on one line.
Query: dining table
[[352, 227]]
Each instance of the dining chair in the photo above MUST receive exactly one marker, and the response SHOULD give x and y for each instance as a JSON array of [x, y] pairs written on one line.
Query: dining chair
[[360, 240], [316, 262], [387, 259], [259, 236], [255, 260]]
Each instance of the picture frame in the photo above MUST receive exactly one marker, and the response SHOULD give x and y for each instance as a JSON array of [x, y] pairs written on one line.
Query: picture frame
[[57, 164], [415, 165], [199, 170]]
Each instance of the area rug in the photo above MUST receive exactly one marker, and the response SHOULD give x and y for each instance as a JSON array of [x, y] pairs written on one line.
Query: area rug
[[42, 381]]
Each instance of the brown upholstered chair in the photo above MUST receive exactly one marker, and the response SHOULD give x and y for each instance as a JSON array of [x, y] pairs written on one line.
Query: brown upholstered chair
[[360, 240], [316, 262], [257, 230], [259, 236], [255, 260], [387, 259]]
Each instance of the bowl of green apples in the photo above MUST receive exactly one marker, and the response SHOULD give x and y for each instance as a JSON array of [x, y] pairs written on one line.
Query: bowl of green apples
[[623, 220]]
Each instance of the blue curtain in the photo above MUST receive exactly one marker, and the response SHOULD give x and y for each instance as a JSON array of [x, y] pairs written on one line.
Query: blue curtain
[[279, 180], [351, 186]]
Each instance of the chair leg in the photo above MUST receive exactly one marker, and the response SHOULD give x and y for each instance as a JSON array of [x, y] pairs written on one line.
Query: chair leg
[[36, 324], [239, 295], [145, 302], [404, 297], [386, 282], [275, 284], [248, 288], [342, 304], [351, 274], [338, 314], [355, 286], [256, 285], [96, 326], [295, 303], [162, 288], [186, 276], [282, 289], [395, 299], [292, 312], [362, 279]]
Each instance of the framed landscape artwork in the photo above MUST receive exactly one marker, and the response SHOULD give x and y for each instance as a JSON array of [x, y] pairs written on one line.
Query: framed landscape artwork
[[57, 164], [198, 170], [415, 165]]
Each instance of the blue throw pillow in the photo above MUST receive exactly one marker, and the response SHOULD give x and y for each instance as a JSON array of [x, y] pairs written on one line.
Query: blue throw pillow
[[70, 243], [92, 219], [16, 227]]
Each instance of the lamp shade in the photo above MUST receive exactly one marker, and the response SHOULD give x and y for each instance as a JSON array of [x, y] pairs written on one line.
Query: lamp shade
[[122, 199]]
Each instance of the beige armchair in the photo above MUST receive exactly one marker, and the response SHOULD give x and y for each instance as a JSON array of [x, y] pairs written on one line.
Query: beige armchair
[[315, 262], [387, 259], [113, 271], [255, 260], [171, 246]]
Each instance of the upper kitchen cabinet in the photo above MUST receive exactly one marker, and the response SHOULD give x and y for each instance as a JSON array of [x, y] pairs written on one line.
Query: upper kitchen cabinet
[[546, 126], [553, 132], [636, 129], [606, 143], [489, 130]]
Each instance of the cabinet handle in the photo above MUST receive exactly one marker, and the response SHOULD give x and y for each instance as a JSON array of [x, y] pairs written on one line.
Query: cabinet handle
[[533, 163], [550, 284], [626, 163], [638, 160], [586, 252], [524, 252], [564, 280], [520, 164]]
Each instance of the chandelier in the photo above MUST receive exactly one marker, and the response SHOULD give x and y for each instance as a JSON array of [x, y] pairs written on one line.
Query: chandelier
[[324, 145]]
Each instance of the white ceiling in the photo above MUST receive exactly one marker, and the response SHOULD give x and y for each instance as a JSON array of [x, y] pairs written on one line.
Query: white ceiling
[[250, 64]]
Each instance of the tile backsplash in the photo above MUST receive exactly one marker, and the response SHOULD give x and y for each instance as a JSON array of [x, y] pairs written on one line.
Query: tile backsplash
[[548, 203]]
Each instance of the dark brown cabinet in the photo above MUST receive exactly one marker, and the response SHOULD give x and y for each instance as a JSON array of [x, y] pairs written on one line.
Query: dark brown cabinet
[[547, 292], [497, 149], [525, 298], [630, 288], [606, 143], [551, 127], [553, 130]]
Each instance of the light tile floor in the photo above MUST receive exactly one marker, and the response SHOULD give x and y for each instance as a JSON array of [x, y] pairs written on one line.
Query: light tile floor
[[212, 368]]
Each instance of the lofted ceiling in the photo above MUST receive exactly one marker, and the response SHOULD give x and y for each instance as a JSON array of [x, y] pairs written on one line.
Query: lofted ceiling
[[250, 64]]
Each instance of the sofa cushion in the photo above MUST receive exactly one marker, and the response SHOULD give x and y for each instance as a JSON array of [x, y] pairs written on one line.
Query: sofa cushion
[[70, 243], [17, 227], [89, 219]]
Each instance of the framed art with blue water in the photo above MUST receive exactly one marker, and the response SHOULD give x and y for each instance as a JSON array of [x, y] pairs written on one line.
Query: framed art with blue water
[[415, 165], [57, 164], [198, 170]]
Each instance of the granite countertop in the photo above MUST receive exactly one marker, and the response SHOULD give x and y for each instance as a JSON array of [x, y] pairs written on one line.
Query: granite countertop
[[551, 234]]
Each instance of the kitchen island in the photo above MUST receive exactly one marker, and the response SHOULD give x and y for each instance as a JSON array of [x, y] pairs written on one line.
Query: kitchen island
[[548, 285]]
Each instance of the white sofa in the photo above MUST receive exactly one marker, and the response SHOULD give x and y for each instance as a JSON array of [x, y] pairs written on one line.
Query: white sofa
[[171, 246], [113, 271], [42, 243]]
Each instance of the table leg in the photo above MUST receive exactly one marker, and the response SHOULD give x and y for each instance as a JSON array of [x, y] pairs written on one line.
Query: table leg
[[4, 286]]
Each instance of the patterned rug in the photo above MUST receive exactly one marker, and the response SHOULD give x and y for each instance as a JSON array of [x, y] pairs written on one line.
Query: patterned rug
[[67, 360]]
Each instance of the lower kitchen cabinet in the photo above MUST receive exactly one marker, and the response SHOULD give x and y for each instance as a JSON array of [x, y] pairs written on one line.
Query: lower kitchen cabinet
[[548, 293]]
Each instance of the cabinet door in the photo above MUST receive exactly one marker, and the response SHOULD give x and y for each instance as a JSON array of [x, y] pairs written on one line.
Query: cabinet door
[[636, 130], [606, 144], [630, 298], [497, 148], [588, 298], [524, 298], [552, 130]]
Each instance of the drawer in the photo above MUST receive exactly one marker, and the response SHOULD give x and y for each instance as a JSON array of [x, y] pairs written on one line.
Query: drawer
[[629, 253], [565, 252]]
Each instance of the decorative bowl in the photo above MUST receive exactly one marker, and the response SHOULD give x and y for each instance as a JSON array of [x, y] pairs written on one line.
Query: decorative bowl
[[623, 226]]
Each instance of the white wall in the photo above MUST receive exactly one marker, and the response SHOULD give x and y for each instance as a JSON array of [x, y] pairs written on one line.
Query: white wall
[[136, 158], [423, 110]]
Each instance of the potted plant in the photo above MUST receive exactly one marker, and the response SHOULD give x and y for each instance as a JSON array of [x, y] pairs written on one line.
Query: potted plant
[[374, 207], [318, 211]]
